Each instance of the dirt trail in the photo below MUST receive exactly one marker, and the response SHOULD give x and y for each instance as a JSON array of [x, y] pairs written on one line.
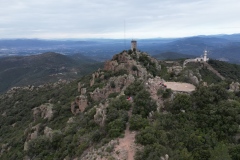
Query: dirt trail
[[126, 147]]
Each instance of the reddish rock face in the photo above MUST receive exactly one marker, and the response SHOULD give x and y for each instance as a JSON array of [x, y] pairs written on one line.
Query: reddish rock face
[[79, 104], [82, 102], [110, 65]]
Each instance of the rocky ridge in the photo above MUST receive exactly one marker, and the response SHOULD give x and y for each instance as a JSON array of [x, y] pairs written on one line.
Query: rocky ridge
[[126, 65]]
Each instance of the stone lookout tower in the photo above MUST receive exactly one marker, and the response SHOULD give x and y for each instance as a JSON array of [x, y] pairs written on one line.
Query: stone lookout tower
[[133, 45]]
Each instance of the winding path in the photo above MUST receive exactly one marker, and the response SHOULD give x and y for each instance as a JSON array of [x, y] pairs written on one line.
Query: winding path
[[126, 146]]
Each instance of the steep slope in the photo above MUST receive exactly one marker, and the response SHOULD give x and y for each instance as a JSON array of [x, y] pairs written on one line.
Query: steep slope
[[42, 68]]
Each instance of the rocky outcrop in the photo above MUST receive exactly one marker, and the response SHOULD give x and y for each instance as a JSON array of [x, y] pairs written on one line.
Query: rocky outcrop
[[83, 91], [194, 80], [48, 132], [74, 108], [79, 104], [100, 115], [115, 84], [31, 133], [94, 76], [175, 69], [4, 148], [153, 85], [192, 77], [234, 87], [71, 120], [37, 131], [92, 81], [124, 61], [166, 157], [81, 101], [102, 153], [44, 111], [110, 65]]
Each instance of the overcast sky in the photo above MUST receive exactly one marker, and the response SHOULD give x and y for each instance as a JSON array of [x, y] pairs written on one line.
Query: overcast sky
[[105, 18]]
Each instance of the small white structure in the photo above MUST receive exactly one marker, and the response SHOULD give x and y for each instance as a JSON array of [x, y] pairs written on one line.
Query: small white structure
[[198, 59], [205, 59], [202, 58]]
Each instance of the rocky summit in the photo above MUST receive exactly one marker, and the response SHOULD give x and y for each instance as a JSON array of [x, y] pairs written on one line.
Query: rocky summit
[[135, 107]]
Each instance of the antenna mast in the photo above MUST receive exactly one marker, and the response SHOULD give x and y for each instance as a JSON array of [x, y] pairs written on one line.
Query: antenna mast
[[124, 34]]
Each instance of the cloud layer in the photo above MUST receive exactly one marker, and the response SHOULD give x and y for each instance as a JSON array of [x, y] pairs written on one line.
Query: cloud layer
[[105, 18]]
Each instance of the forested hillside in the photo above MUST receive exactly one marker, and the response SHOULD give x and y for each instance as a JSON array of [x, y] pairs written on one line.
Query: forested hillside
[[36, 70], [228, 70], [124, 111]]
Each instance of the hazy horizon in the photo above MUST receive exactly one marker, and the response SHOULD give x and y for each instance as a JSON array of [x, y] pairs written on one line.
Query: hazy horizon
[[129, 39]]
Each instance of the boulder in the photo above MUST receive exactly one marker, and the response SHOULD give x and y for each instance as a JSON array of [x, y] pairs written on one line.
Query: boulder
[[175, 69], [234, 87], [100, 115], [194, 80], [48, 132], [82, 102], [83, 91], [79, 104], [32, 133], [44, 111]]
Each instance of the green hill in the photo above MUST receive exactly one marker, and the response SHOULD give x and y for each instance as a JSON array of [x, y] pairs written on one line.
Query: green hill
[[42, 68], [227, 70]]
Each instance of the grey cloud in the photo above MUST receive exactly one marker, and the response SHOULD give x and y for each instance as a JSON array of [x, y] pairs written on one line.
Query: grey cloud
[[59, 18]]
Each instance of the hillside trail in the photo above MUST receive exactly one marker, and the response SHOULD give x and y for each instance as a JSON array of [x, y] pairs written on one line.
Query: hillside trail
[[126, 147]]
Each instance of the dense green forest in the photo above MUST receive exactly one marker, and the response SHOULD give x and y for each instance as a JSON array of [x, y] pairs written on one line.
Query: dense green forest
[[198, 126]]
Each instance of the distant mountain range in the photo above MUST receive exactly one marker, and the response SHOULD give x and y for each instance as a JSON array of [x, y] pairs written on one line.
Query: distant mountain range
[[42, 68], [172, 56], [221, 47]]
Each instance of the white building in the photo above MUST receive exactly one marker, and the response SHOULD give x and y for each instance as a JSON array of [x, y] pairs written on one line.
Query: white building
[[198, 59], [202, 58]]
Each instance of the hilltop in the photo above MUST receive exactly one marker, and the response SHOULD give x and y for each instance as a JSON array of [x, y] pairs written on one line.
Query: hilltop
[[125, 110]]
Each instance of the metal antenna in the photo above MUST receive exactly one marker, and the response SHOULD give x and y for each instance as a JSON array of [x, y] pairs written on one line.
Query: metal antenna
[[124, 34]]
